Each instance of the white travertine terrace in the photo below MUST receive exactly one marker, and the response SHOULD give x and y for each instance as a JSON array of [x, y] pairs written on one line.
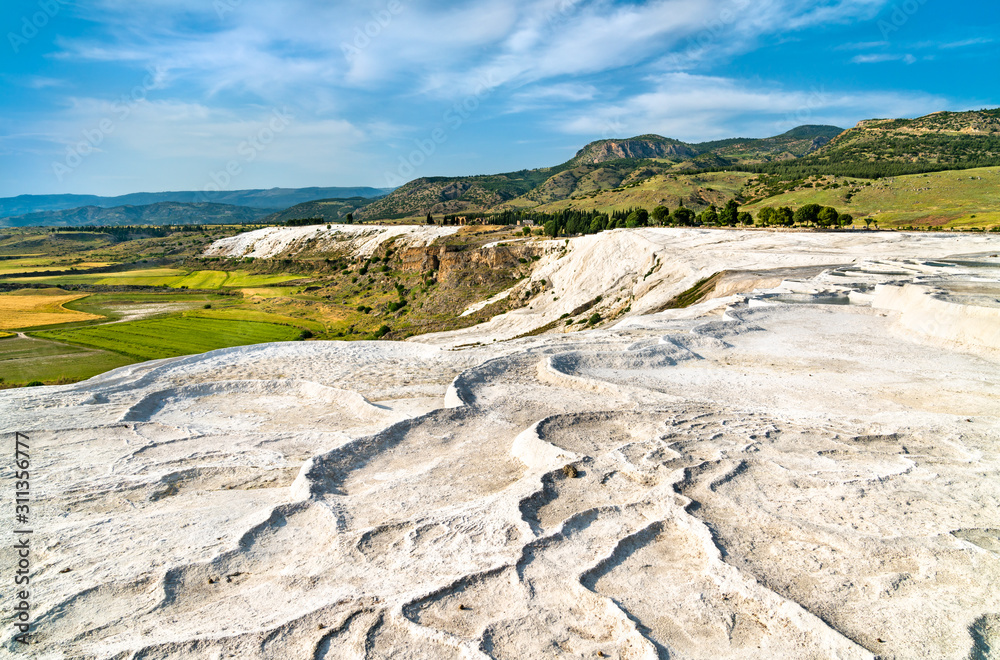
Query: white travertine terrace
[[810, 469], [361, 240]]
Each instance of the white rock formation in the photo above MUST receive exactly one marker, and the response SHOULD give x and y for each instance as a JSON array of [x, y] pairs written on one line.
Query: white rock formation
[[360, 240], [761, 475]]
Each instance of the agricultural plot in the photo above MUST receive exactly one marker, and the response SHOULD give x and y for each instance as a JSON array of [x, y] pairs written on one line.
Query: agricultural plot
[[170, 337], [171, 277], [33, 308], [24, 361], [36, 263]]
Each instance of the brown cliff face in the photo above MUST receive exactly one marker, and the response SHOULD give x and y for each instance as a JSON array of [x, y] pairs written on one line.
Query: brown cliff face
[[634, 148], [456, 265]]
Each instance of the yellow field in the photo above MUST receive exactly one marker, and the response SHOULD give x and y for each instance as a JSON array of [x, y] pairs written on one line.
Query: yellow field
[[32, 308], [27, 265]]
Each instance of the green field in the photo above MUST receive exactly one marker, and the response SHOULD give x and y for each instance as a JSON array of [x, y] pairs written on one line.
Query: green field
[[171, 277], [26, 360], [29, 264], [953, 199], [170, 337]]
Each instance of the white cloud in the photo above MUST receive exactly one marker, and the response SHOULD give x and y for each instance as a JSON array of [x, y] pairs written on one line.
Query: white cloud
[[270, 48], [696, 108], [880, 58]]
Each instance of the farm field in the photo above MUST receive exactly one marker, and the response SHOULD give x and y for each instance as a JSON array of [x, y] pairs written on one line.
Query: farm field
[[170, 277], [32, 308], [153, 339], [23, 361], [30, 264]]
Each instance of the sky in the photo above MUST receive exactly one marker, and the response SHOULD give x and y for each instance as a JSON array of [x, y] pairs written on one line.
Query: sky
[[110, 97]]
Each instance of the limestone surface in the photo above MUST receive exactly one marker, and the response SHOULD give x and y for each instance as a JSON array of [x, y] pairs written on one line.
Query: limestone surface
[[805, 466]]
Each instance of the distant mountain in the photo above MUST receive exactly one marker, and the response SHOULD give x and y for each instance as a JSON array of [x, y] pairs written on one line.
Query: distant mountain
[[162, 213], [643, 146], [331, 210], [275, 198], [602, 165]]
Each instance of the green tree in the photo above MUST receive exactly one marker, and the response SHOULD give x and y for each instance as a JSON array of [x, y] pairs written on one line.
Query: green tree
[[598, 224], [845, 220], [430, 218], [638, 218], [765, 216], [828, 216], [730, 213], [744, 218], [552, 228], [350, 218], [710, 216], [660, 215], [808, 214], [784, 216], [683, 217]]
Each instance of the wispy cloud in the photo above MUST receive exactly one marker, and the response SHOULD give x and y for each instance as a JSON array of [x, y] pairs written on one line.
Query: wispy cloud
[[879, 58], [698, 108]]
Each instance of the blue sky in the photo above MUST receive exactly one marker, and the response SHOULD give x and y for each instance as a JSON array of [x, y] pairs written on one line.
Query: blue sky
[[114, 96]]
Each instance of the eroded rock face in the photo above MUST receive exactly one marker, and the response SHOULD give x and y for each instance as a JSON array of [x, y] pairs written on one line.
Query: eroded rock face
[[635, 148], [777, 474]]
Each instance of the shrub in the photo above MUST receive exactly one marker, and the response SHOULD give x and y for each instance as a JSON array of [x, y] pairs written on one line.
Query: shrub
[[35, 383], [382, 332], [594, 319]]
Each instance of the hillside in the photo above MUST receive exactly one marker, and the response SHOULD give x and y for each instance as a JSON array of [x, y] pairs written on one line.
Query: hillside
[[643, 146], [162, 213], [274, 198], [610, 169], [331, 210], [441, 195], [604, 165], [966, 198], [886, 147]]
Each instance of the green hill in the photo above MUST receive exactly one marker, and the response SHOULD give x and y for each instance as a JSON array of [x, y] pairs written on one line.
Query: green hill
[[888, 147], [162, 213], [953, 199], [331, 210], [604, 165]]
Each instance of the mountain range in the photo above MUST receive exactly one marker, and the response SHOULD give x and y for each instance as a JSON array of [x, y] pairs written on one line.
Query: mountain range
[[274, 199], [872, 149]]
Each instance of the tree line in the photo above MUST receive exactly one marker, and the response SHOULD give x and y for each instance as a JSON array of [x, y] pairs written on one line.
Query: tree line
[[570, 222]]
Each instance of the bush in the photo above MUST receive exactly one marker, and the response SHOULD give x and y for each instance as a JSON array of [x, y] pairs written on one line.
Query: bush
[[207, 306], [594, 319], [382, 332], [35, 383]]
